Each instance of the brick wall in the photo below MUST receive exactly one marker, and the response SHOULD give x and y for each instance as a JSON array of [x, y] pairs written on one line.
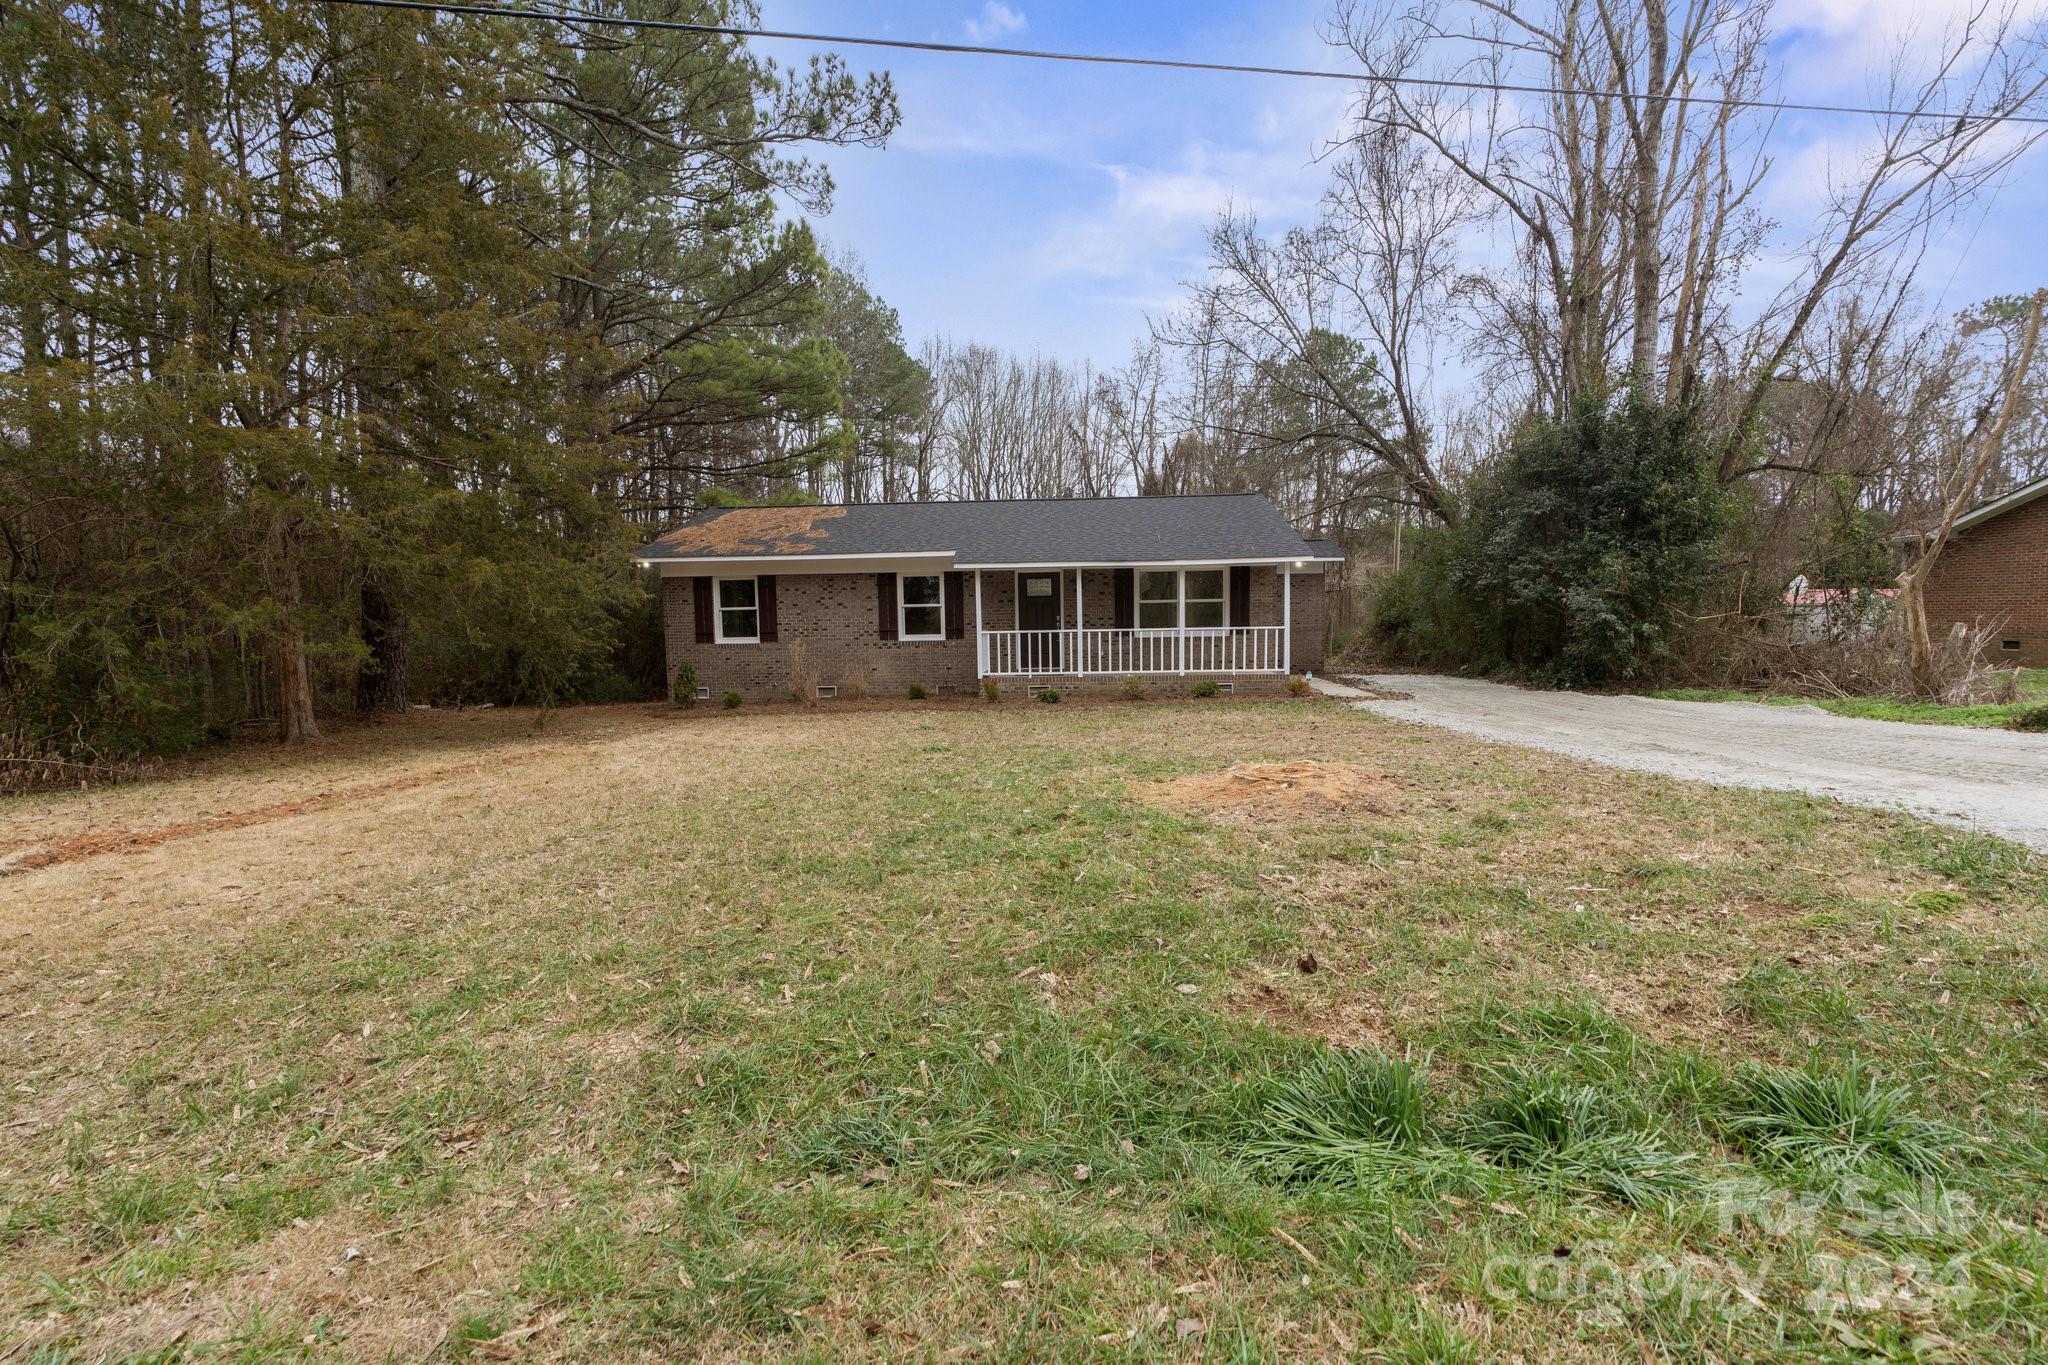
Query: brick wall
[[1998, 571], [834, 616], [1311, 619]]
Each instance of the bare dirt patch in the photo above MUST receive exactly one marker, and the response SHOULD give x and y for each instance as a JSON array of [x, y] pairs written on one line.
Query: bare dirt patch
[[1279, 791], [754, 530], [1346, 1020]]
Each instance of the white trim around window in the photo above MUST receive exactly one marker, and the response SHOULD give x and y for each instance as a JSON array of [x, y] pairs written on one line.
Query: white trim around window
[[1179, 603], [743, 609], [930, 611]]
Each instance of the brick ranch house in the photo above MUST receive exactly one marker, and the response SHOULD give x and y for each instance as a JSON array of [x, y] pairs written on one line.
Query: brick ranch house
[[1056, 592], [1996, 570]]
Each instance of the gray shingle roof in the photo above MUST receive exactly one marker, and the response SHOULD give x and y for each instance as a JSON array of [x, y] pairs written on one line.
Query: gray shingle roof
[[1225, 526]]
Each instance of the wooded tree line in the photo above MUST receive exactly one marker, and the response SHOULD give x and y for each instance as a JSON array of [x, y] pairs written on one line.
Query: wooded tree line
[[346, 344], [348, 350]]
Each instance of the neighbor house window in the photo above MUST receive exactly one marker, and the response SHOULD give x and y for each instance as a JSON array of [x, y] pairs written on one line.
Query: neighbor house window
[[924, 614], [1168, 598], [739, 612]]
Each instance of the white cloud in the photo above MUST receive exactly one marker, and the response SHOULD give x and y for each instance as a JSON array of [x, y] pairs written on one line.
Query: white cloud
[[997, 20], [1150, 224]]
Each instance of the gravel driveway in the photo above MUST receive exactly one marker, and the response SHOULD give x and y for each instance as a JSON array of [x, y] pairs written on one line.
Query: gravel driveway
[[1990, 780]]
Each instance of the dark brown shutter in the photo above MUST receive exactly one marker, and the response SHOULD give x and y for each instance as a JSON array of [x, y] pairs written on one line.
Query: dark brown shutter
[[1240, 594], [764, 597], [700, 590], [1126, 595], [956, 606], [885, 605]]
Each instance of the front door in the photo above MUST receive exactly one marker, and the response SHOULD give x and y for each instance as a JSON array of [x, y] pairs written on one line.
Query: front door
[[1038, 609]]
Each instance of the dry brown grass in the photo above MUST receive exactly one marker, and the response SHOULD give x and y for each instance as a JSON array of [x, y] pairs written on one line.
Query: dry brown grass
[[542, 1018]]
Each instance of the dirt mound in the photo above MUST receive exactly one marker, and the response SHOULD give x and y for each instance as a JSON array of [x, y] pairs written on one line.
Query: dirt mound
[[1278, 790]]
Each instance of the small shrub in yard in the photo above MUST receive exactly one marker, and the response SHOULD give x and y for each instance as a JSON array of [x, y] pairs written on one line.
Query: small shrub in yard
[[916, 692], [1205, 688], [732, 701], [1050, 695], [990, 692], [2032, 718], [1132, 688], [1297, 685], [854, 687], [683, 691]]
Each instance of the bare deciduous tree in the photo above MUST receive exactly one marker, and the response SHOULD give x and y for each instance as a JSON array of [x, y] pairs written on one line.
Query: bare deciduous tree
[[1961, 491]]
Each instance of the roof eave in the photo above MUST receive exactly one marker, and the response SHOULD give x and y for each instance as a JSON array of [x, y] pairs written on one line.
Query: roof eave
[[2018, 497], [1176, 563], [648, 555]]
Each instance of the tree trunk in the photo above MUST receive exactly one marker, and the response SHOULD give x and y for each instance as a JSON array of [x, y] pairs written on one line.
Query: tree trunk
[[1648, 209], [1913, 582], [380, 685], [295, 721]]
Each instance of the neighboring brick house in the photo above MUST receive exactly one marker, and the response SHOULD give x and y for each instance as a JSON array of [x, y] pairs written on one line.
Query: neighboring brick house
[[1051, 592], [1995, 570]]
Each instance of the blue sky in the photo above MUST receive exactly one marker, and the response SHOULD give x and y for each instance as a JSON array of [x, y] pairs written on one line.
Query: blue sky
[[1051, 207]]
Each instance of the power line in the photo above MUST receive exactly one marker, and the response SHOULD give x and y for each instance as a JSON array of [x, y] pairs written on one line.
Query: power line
[[1169, 64]]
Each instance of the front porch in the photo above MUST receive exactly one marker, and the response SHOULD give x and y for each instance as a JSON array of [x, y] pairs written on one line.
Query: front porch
[[1082, 621]]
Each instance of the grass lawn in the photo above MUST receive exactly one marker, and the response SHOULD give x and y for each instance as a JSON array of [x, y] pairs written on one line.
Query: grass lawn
[[894, 1030], [2033, 692]]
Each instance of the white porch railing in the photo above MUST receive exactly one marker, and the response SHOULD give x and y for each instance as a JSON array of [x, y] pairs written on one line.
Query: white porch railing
[[1239, 649]]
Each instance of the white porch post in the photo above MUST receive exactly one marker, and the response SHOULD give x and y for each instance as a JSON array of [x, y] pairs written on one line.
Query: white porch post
[[1286, 621], [1080, 623], [980, 632]]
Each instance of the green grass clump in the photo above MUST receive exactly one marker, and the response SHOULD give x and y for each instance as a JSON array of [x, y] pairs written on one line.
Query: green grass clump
[[1541, 1123], [2029, 718], [1353, 1094], [1834, 1121], [915, 692], [1353, 1118]]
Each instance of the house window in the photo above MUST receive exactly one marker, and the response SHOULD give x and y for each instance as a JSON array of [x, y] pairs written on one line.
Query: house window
[[1158, 599], [739, 612], [1168, 598], [923, 610], [1202, 599]]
